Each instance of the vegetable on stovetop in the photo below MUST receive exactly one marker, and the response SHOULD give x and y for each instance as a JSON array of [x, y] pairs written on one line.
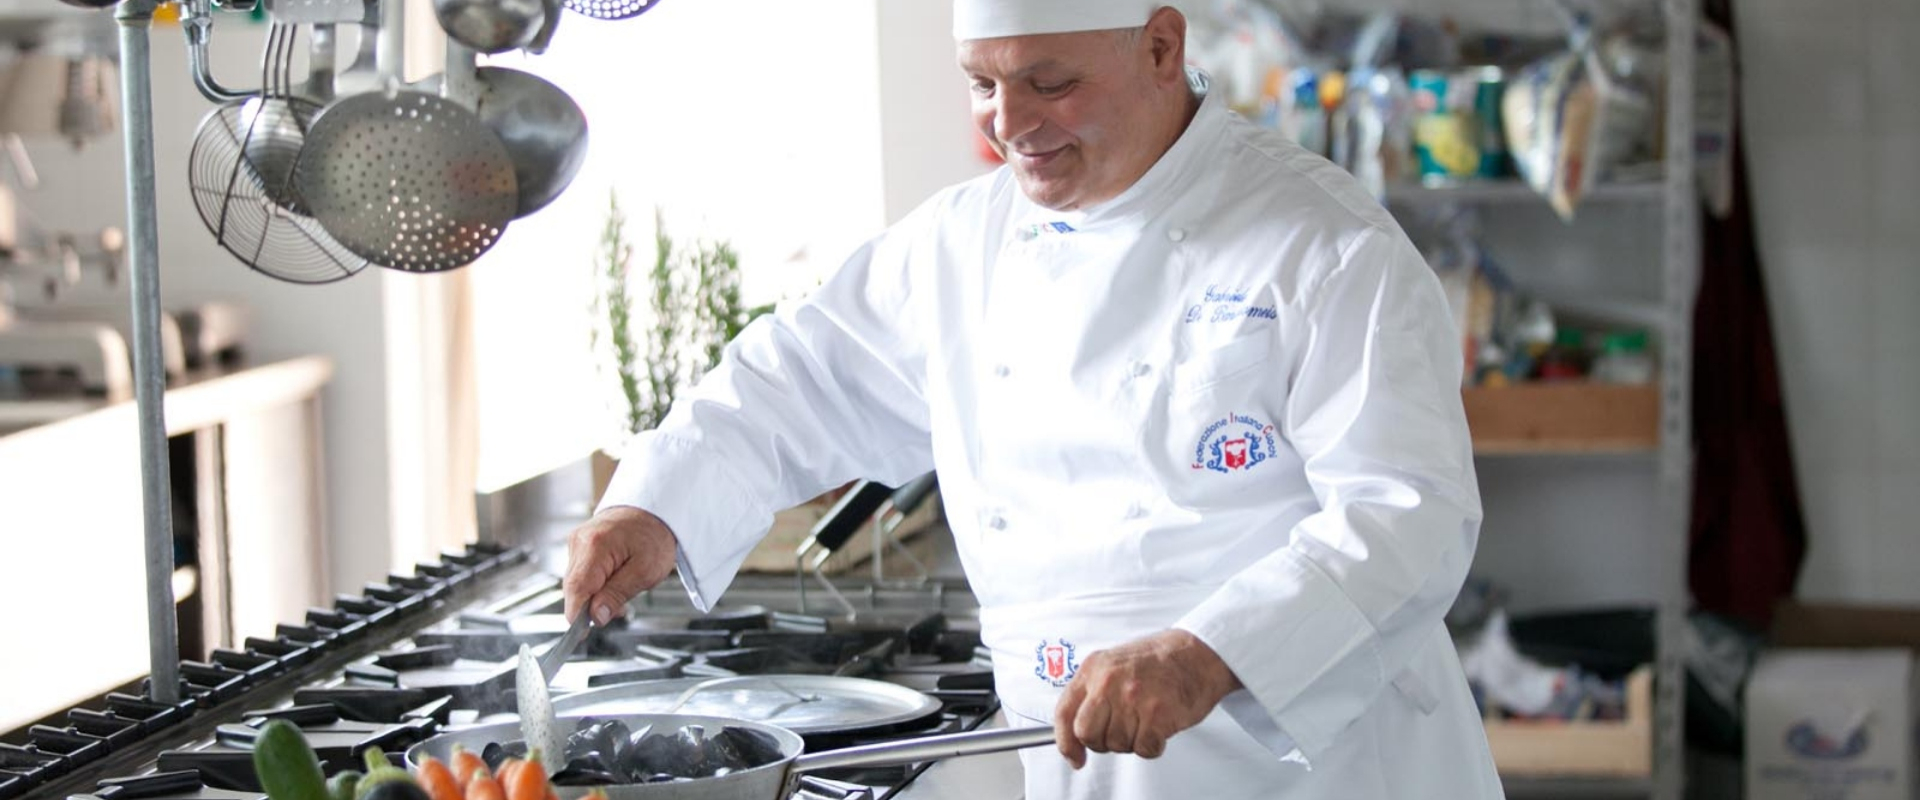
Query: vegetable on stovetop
[[342, 786], [466, 766], [286, 765], [437, 779], [381, 772]]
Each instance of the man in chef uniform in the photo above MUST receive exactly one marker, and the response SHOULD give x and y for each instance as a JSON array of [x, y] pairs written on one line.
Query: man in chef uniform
[[1193, 400]]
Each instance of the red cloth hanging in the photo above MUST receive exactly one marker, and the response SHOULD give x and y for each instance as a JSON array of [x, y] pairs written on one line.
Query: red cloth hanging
[[1748, 533]]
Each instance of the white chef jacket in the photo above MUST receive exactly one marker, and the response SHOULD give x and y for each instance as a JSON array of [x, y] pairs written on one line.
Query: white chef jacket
[[1225, 401]]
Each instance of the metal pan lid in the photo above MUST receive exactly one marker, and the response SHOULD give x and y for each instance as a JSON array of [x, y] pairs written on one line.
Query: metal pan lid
[[804, 704]]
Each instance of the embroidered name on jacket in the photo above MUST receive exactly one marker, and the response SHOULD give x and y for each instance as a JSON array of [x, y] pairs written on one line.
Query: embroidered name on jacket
[[1234, 443], [1225, 304], [1055, 661]]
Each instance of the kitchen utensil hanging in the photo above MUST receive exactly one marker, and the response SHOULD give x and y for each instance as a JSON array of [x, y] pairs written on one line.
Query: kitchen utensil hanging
[[240, 173], [407, 180], [544, 131], [491, 26], [612, 9]]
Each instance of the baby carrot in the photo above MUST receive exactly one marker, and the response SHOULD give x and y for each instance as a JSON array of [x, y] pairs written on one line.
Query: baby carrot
[[466, 766], [529, 782], [484, 787], [438, 780]]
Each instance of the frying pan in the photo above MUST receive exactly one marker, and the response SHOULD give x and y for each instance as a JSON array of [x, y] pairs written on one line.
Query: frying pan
[[774, 781]]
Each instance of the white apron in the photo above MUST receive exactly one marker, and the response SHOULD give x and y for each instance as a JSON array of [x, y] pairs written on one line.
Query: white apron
[[1413, 743]]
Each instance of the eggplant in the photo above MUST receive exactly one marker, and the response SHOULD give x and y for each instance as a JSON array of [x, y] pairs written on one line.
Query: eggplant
[[397, 790]]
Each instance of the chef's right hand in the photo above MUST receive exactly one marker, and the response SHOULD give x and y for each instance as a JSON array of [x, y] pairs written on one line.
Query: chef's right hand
[[620, 553]]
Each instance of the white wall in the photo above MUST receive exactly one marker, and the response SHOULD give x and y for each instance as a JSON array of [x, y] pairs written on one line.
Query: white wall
[[926, 133], [85, 190], [754, 121], [1833, 133]]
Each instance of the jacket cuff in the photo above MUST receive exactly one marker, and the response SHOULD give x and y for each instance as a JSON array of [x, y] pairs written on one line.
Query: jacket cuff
[[715, 523], [1308, 657]]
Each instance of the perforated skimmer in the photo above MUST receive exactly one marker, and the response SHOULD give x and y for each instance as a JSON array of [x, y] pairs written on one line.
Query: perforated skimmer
[[409, 181], [612, 9]]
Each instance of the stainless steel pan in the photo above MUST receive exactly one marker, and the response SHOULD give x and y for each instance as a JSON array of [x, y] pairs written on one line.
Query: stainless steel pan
[[804, 704], [774, 781]]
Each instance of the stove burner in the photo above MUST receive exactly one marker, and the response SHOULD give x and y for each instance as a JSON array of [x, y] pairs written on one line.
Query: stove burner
[[227, 762], [180, 785]]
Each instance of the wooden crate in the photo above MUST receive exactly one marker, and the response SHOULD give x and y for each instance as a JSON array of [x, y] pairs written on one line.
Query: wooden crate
[[1563, 418], [1622, 749]]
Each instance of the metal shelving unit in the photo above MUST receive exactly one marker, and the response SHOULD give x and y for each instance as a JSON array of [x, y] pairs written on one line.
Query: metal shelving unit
[[1513, 191], [1682, 284], [1671, 315]]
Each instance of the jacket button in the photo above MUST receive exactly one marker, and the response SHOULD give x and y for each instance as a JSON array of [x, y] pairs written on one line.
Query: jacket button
[[1177, 234], [1001, 371], [997, 522], [1142, 369]]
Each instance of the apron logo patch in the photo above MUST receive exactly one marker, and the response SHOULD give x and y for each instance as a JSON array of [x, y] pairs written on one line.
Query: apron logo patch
[[1234, 443], [1056, 663]]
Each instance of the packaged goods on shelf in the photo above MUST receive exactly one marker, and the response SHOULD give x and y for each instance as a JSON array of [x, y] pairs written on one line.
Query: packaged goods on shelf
[[1402, 99]]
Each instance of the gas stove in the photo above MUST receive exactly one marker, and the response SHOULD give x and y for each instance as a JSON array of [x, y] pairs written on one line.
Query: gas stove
[[436, 650]]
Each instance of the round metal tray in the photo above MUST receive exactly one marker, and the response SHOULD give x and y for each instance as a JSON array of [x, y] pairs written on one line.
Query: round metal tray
[[839, 704]]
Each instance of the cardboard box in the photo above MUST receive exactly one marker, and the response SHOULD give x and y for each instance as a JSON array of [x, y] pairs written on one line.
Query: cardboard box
[[1831, 724], [1831, 713]]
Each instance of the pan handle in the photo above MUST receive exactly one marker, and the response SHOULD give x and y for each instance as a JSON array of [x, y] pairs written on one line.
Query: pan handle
[[929, 748]]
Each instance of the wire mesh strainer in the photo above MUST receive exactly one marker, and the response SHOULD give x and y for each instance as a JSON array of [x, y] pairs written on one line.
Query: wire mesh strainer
[[240, 174], [408, 180], [612, 9]]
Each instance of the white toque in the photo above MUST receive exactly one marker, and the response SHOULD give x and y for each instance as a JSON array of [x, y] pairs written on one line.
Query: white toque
[[991, 19]]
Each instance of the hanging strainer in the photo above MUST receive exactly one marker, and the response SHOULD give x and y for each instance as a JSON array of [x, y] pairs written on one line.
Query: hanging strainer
[[612, 9], [407, 180], [240, 173]]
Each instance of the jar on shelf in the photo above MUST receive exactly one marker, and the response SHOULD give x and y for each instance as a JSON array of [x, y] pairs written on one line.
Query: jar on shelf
[[1566, 360], [1624, 359]]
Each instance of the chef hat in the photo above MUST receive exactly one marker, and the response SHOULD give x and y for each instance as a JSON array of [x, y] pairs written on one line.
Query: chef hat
[[989, 19]]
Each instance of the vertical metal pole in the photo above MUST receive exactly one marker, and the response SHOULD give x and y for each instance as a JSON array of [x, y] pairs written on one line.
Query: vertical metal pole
[[1682, 284], [150, 382]]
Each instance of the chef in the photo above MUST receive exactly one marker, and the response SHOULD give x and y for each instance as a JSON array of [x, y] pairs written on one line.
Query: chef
[[1193, 400]]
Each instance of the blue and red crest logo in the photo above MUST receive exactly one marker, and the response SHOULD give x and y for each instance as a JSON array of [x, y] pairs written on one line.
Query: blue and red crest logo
[[1055, 662], [1807, 740], [1234, 443]]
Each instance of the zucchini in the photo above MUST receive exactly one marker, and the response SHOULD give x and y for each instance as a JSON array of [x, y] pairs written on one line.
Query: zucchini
[[286, 764]]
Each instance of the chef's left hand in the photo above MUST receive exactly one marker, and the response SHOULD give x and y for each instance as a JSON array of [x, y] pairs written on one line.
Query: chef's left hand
[[1134, 697]]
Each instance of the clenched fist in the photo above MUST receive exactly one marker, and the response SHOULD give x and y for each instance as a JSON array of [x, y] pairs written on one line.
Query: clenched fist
[[1134, 697], [620, 553]]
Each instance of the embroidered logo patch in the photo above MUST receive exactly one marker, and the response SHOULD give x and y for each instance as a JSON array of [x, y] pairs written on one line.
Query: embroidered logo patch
[[1055, 662], [1031, 232], [1234, 443]]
